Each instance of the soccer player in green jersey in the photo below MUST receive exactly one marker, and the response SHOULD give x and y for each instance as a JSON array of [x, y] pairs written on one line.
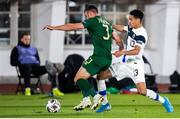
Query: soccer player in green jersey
[[101, 34]]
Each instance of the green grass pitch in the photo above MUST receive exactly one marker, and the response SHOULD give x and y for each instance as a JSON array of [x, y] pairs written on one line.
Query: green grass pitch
[[123, 106]]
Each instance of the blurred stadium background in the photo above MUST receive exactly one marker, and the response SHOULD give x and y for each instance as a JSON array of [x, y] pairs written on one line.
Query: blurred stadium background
[[162, 19]]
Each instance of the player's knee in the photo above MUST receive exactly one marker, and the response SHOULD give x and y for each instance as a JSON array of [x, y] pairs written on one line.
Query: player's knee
[[104, 75], [75, 79], [100, 76]]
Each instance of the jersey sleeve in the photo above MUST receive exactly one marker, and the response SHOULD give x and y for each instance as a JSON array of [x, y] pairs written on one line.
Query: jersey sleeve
[[88, 23], [140, 40]]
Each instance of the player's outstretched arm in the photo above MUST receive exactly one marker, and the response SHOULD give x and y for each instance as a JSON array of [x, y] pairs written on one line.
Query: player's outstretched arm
[[134, 51], [118, 40], [120, 28], [65, 27]]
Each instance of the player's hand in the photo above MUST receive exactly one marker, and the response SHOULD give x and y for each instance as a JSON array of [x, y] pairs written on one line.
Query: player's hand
[[118, 53], [48, 27]]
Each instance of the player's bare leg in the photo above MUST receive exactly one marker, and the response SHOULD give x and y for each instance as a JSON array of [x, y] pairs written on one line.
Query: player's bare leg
[[141, 87], [82, 73], [104, 75]]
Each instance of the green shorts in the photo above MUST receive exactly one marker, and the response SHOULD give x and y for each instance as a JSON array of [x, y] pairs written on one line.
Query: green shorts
[[96, 64]]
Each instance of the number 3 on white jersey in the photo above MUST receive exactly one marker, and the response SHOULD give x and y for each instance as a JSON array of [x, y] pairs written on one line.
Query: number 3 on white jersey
[[107, 30]]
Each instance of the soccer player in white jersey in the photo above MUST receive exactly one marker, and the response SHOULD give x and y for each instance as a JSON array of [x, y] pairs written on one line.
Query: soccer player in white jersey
[[132, 65]]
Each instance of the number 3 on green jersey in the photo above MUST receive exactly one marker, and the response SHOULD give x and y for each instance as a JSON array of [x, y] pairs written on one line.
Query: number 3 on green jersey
[[107, 31]]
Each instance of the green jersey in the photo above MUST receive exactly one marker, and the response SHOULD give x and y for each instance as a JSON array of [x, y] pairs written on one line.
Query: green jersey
[[100, 31]]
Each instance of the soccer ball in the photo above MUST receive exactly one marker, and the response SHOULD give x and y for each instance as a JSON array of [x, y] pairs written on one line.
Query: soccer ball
[[53, 106]]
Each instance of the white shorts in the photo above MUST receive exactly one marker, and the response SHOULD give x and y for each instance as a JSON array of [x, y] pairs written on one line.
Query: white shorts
[[133, 70]]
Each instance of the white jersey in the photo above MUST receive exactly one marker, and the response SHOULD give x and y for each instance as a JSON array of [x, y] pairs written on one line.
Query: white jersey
[[135, 37], [132, 66]]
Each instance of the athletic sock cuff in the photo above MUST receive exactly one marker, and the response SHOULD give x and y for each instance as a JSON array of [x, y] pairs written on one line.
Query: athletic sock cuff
[[157, 97], [102, 92]]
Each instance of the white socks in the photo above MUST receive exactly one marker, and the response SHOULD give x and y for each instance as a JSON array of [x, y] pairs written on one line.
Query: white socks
[[151, 94], [102, 90], [101, 85]]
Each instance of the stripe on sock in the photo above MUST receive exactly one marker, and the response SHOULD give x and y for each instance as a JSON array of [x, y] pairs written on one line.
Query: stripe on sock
[[102, 92], [124, 59], [157, 97]]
